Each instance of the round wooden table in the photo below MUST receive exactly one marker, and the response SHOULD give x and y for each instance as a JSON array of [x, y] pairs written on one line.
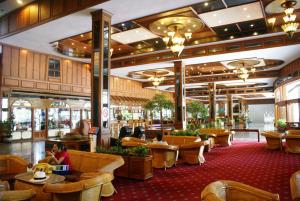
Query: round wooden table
[[23, 183]]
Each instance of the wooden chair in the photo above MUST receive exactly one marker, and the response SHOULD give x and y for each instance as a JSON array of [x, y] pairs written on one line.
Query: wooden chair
[[292, 141], [193, 153], [231, 191], [164, 156]]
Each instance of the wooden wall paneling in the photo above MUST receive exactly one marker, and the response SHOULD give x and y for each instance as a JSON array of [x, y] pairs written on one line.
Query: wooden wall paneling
[[33, 13], [43, 67], [22, 63], [4, 25], [29, 65], [23, 17], [12, 22], [83, 77], [83, 3], [74, 73], [70, 72], [45, 9], [64, 71], [79, 73], [15, 62], [7, 55], [70, 5], [88, 77], [57, 7], [36, 66]]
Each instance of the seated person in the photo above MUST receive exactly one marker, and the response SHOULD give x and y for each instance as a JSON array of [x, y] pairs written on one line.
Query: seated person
[[59, 156], [159, 140], [138, 132]]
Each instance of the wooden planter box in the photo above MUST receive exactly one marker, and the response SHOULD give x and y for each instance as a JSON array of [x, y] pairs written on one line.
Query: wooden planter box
[[136, 168]]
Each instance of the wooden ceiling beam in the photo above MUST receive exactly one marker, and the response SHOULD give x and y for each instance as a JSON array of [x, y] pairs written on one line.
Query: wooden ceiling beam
[[226, 92]]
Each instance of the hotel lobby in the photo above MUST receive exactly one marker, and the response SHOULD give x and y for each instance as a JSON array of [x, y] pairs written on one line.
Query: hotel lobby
[[141, 100]]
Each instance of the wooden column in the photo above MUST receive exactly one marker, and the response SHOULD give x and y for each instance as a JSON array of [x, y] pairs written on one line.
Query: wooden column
[[230, 109], [212, 101], [100, 97], [1, 74], [180, 104]]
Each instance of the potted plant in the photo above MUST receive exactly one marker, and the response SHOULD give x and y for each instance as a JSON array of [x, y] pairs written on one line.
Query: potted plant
[[281, 125], [6, 129], [137, 161], [159, 103], [198, 112]]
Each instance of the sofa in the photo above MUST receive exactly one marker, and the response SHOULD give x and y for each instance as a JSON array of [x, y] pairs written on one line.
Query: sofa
[[219, 136], [295, 186], [19, 195], [292, 141], [231, 190], [84, 190], [164, 156], [274, 139]]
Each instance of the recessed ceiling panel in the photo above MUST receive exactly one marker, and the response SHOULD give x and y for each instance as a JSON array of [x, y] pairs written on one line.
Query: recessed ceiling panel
[[208, 6], [231, 3], [232, 15], [133, 35]]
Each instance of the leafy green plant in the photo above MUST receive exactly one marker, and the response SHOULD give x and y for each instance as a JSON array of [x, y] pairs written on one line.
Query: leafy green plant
[[158, 103], [185, 133], [140, 151], [281, 124], [6, 128]]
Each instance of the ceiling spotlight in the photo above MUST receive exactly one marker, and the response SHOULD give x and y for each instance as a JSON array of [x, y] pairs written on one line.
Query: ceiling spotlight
[[72, 43], [206, 4], [245, 8], [84, 47], [215, 15], [20, 2], [251, 25], [156, 41], [196, 42], [226, 29], [231, 37], [123, 24], [81, 35], [248, 16], [255, 34]]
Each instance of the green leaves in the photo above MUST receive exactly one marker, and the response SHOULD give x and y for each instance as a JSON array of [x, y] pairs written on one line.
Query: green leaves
[[197, 109], [158, 103]]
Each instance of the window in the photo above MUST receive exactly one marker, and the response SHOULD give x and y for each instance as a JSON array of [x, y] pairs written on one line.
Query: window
[[54, 68]]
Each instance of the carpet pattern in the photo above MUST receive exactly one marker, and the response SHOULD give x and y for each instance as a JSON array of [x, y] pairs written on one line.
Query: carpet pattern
[[249, 163]]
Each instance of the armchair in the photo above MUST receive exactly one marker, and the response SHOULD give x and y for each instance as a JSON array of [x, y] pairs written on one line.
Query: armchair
[[193, 153], [230, 190], [164, 156], [84, 190], [19, 195], [295, 186], [221, 136], [292, 141], [274, 139], [132, 142]]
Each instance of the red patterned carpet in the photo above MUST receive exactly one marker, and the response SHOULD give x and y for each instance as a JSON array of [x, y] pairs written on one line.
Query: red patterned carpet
[[249, 163]]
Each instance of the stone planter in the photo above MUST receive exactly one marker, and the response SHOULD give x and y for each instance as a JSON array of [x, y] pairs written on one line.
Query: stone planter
[[136, 168]]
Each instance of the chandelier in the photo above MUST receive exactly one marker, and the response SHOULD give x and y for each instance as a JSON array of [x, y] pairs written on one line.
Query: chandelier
[[243, 68], [290, 26], [156, 80], [175, 31]]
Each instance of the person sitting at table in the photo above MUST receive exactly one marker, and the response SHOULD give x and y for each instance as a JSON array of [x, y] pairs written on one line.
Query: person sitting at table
[[158, 140], [59, 156]]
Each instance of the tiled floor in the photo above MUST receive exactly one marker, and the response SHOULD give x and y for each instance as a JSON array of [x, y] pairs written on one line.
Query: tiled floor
[[35, 151]]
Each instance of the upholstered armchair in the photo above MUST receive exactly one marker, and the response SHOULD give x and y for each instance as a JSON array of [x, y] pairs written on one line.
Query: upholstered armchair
[[274, 139], [193, 153], [230, 190], [164, 156], [295, 186], [11, 165], [221, 136], [19, 195], [84, 190], [292, 141], [132, 142]]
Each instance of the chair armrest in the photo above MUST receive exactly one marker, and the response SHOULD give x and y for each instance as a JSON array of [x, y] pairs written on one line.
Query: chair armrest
[[251, 190], [76, 186], [89, 175], [291, 136], [194, 145], [17, 195]]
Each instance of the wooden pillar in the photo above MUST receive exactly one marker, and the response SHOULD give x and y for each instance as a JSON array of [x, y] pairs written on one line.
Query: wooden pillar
[[230, 109], [180, 103], [1, 73], [212, 101], [100, 97]]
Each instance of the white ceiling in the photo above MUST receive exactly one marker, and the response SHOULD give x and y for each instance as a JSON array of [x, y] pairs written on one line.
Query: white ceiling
[[232, 15], [39, 38], [133, 35]]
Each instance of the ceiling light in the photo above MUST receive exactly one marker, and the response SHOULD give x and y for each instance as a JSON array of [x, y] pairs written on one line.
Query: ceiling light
[[84, 47], [156, 79], [245, 8], [215, 15], [226, 29], [20, 2], [72, 43], [175, 31], [251, 25], [81, 35], [123, 24], [119, 49], [248, 16], [255, 34], [290, 26], [196, 42], [231, 37], [156, 41], [158, 28], [242, 68], [206, 4]]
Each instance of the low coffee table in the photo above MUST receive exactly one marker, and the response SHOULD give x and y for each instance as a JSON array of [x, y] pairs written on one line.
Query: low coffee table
[[23, 183]]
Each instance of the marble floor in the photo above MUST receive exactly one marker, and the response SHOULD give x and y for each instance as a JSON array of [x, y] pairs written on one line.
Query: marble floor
[[34, 151]]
